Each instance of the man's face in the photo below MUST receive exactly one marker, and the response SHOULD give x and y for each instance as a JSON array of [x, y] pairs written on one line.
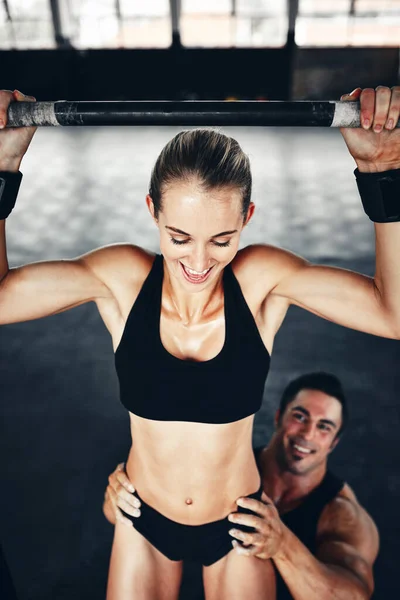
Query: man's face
[[306, 431]]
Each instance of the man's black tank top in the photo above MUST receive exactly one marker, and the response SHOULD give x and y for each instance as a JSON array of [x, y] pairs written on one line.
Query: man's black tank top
[[303, 520], [154, 384]]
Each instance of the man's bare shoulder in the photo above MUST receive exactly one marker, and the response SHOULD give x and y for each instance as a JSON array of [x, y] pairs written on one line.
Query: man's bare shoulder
[[345, 518], [346, 503]]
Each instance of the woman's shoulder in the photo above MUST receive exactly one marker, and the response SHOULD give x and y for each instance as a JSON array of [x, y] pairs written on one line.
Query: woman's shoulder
[[121, 264], [259, 268], [256, 270], [262, 255], [260, 260]]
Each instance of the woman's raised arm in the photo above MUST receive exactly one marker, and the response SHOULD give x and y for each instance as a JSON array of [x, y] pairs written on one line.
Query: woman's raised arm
[[45, 288], [368, 304]]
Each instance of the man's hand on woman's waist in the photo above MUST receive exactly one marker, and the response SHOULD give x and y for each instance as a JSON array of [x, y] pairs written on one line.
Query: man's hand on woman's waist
[[269, 535], [265, 542], [120, 495]]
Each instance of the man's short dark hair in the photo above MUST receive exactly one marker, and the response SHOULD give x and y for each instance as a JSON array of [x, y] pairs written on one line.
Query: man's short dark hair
[[323, 382]]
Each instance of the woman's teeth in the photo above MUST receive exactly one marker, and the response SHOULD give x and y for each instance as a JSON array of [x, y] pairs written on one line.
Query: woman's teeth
[[196, 272], [195, 276]]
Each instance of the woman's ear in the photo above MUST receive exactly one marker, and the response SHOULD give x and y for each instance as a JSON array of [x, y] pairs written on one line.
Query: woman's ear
[[150, 206], [250, 213]]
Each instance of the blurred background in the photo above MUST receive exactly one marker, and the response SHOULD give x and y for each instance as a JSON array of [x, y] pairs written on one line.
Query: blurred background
[[62, 429], [177, 49]]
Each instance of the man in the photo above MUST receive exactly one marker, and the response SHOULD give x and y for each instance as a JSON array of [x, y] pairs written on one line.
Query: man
[[321, 540]]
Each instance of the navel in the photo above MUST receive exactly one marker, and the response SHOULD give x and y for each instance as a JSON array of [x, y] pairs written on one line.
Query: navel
[[189, 501]]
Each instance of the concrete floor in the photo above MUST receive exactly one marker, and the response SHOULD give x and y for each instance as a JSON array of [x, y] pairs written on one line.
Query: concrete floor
[[63, 429]]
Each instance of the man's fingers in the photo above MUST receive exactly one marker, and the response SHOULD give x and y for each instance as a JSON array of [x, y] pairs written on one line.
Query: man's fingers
[[121, 519], [120, 475], [239, 549], [244, 519], [123, 494], [120, 492], [258, 507], [123, 479], [128, 508], [118, 480], [118, 503], [110, 500], [266, 499], [250, 539]]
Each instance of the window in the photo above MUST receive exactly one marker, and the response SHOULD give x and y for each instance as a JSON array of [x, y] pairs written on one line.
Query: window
[[26, 24], [86, 23], [348, 23], [120, 24], [234, 23]]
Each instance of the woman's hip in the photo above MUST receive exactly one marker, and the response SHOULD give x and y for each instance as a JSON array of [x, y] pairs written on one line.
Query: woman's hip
[[205, 543]]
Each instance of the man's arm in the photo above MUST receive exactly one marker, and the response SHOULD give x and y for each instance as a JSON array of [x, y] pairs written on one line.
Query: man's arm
[[347, 546]]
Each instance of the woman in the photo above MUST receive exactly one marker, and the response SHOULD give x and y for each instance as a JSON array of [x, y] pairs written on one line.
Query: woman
[[193, 330]]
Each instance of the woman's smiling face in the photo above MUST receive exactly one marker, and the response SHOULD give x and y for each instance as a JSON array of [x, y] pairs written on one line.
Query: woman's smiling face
[[199, 231]]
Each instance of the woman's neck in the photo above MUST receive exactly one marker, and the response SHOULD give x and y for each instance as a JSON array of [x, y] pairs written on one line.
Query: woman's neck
[[191, 307]]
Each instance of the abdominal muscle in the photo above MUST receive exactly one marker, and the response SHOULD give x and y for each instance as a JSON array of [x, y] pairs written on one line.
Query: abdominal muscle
[[192, 473]]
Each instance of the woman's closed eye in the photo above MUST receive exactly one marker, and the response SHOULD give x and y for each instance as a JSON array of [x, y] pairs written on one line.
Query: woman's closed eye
[[178, 242], [219, 244]]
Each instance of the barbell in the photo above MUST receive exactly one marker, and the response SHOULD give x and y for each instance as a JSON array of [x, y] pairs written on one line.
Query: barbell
[[192, 112]]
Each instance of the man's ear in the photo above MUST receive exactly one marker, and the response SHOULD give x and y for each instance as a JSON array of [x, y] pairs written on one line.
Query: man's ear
[[334, 444], [277, 418]]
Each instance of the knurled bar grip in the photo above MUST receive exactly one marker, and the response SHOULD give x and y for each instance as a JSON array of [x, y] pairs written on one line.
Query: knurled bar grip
[[192, 112]]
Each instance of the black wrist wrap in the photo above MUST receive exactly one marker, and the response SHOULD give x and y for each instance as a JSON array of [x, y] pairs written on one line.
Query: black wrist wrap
[[380, 195], [9, 186]]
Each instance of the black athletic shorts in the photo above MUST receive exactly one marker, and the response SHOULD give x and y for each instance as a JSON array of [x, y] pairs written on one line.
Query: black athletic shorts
[[203, 543]]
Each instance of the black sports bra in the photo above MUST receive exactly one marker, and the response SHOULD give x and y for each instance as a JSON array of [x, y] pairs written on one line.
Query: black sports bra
[[154, 384]]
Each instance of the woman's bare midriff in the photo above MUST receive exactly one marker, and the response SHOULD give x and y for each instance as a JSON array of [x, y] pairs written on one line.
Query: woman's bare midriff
[[192, 473]]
